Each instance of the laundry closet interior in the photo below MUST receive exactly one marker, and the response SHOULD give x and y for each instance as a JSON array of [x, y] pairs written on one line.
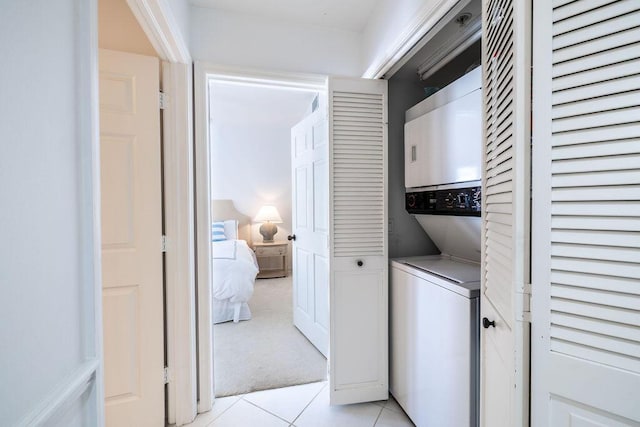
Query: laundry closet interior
[[435, 198]]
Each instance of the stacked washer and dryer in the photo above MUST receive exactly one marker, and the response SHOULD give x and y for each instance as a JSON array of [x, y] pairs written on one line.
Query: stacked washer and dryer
[[435, 300]]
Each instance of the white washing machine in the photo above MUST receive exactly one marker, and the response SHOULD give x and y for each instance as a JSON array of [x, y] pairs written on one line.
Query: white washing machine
[[435, 309], [434, 339]]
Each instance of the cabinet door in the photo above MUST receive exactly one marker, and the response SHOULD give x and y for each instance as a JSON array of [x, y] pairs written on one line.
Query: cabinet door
[[504, 361], [358, 351], [586, 218]]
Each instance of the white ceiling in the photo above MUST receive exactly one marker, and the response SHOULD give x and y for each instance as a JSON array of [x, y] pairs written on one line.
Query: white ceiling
[[350, 15], [239, 105]]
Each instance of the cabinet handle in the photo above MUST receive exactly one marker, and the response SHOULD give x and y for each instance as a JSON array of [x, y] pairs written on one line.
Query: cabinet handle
[[360, 263], [486, 323]]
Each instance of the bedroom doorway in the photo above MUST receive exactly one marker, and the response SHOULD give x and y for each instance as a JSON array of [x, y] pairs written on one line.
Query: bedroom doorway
[[256, 345]]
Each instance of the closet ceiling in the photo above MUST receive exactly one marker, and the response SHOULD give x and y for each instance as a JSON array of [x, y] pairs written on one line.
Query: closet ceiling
[[450, 31], [351, 15]]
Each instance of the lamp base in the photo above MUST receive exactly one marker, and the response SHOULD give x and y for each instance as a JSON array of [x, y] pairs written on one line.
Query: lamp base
[[268, 230]]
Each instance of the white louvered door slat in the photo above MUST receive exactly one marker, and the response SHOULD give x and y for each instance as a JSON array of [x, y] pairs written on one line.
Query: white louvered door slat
[[586, 218], [358, 352], [505, 234]]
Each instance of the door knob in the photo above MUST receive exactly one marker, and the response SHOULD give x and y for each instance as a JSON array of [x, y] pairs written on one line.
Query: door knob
[[291, 237], [486, 323]]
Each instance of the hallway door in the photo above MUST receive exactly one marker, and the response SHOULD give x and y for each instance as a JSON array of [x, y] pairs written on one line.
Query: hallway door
[[310, 181], [131, 239]]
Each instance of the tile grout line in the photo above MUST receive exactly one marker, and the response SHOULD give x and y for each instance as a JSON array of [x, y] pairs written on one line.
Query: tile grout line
[[400, 409], [268, 412], [220, 414], [310, 402], [378, 417]]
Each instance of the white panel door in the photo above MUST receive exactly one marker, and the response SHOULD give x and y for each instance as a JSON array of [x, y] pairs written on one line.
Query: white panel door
[[586, 222], [504, 357], [358, 351], [310, 182], [131, 235]]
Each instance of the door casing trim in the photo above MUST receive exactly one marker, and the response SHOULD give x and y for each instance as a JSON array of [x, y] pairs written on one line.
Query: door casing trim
[[204, 73]]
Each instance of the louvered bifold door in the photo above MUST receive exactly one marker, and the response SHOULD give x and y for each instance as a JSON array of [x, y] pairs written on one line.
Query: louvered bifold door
[[586, 226], [358, 351], [505, 269]]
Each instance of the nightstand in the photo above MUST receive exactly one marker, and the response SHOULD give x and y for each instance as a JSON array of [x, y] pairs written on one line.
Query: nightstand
[[266, 253]]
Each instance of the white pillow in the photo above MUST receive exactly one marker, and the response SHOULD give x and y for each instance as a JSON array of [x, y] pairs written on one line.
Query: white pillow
[[231, 229], [218, 232]]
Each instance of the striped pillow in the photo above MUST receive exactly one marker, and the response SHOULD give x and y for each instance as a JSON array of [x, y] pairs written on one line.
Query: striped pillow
[[217, 232]]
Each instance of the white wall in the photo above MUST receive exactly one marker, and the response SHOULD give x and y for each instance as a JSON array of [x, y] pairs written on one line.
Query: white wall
[[180, 10], [227, 38], [406, 236], [47, 312], [251, 148]]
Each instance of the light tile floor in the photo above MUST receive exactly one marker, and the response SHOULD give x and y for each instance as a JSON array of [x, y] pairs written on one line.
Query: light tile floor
[[299, 406]]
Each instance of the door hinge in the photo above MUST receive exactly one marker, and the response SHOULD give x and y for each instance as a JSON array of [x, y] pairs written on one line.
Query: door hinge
[[163, 99], [523, 300], [166, 376], [164, 243]]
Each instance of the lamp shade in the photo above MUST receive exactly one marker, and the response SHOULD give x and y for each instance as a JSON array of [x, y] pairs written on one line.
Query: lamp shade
[[268, 213]]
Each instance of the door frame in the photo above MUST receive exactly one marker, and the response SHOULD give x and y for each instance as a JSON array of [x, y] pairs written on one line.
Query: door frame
[[204, 73], [160, 26]]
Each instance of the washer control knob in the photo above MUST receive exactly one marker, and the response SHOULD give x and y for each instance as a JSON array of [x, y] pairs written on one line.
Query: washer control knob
[[411, 200]]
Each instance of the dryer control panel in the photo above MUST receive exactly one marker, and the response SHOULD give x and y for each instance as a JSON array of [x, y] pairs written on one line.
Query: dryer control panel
[[459, 201]]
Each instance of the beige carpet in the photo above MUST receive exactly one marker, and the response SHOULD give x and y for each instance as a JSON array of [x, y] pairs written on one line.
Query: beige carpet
[[267, 351]]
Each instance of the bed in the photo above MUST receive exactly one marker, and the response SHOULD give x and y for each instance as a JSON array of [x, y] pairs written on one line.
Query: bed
[[234, 263]]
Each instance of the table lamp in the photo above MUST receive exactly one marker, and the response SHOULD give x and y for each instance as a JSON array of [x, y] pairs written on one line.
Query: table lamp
[[268, 215]]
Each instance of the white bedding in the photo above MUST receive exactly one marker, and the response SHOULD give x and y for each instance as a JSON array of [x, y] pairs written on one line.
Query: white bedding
[[234, 273]]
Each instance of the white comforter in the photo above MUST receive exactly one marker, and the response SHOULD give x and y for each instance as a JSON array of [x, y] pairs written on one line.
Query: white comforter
[[234, 271]]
